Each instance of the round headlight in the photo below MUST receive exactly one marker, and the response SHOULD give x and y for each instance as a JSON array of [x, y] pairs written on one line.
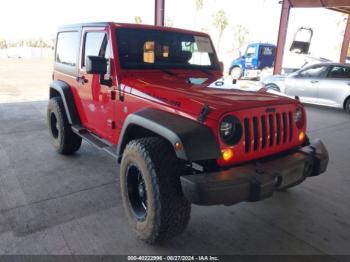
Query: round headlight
[[299, 118], [298, 115], [230, 130]]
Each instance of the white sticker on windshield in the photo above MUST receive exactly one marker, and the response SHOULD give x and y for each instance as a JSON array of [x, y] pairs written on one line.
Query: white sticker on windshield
[[203, 44]]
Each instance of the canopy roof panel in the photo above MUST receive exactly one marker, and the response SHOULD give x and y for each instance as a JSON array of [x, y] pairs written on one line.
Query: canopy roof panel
[[337, 5]]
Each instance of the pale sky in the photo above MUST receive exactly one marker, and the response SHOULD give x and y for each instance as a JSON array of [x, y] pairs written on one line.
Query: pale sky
[[21, 19], [40, 18]]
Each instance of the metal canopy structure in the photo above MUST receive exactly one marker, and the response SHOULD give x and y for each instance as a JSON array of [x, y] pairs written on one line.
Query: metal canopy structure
[[159, 12], [337, 5]]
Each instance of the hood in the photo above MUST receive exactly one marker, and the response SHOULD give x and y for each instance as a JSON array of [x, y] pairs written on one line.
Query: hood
[[175, 91]]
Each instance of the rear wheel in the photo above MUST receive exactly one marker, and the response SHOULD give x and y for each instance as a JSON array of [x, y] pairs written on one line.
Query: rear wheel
[[151, 190], [64, 140]]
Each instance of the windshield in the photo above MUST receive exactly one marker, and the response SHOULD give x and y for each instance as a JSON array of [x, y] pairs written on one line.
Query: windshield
[[251, 50], [155, 49]]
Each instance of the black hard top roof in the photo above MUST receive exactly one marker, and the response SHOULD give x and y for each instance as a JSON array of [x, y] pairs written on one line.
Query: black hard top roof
[[126, 25], [92, 24]]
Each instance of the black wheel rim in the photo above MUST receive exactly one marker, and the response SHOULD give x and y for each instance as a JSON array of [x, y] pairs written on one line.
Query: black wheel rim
[[137, 193], [54, 125]]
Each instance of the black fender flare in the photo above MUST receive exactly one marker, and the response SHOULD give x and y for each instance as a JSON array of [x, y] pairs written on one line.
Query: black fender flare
[[68, 100], [197, 140]]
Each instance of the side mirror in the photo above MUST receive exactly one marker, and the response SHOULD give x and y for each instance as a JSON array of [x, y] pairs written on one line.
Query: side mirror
[[221, 64], [96, 65], [99, 65]]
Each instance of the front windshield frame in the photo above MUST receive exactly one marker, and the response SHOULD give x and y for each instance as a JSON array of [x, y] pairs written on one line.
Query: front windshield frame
[[249, 48], [128, 32]]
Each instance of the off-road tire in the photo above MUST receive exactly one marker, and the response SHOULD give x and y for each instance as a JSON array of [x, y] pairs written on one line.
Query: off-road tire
[[168, 211], [64, 140]]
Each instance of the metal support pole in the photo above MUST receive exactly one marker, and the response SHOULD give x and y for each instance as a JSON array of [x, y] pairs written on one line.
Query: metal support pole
[[159, 12], [346, 41], [282, 34]]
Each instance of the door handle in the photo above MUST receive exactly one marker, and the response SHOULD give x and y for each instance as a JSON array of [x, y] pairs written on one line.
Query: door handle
[[314, 81], [81, 79]]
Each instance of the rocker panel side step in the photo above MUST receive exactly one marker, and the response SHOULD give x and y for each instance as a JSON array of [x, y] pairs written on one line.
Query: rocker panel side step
[[90, 138]]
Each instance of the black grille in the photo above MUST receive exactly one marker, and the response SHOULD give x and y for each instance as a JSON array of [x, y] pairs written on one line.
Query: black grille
[[268, 131], [247, 134]]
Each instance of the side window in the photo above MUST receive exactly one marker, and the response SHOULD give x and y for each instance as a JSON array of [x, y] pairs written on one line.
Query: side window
[[251, 51], [67, 48], [339, 72], [313, 72], [95, 45], [267, 50]]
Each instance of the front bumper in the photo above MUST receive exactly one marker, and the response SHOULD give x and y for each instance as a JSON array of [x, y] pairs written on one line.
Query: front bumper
[[257, 181], [251, 73]]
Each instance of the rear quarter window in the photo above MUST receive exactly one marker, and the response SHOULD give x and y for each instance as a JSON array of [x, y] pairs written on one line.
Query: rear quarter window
[[340, 72], [67, 48]]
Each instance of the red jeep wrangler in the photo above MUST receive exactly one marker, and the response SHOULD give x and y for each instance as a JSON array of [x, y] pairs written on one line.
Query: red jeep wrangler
[[142, 94]]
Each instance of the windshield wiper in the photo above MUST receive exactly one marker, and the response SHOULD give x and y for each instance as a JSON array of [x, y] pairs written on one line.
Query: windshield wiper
[[168, 72]]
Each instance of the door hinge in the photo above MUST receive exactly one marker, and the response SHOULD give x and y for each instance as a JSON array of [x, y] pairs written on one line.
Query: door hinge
[[111, 123]]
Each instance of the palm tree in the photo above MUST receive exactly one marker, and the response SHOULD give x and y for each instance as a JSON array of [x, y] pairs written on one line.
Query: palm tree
[[138, 19], [169, 22], [220, 22], [199, 6], [3, 44], [240, 35]]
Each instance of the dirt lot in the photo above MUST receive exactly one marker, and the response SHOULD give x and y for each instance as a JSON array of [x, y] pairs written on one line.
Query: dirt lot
[[52, 204], [24, 79]]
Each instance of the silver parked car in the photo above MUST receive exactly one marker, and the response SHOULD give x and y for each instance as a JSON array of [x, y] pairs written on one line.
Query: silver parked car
[[323, 84]]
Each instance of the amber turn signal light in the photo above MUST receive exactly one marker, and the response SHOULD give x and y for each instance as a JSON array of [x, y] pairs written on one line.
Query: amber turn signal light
[[301, 136], [227, 154], [178, 146]]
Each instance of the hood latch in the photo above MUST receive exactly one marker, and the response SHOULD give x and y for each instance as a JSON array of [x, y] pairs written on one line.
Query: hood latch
[[204, 113]]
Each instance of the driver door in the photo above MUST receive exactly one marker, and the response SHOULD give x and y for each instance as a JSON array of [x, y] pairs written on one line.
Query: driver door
[[305, 83], [96, 97]]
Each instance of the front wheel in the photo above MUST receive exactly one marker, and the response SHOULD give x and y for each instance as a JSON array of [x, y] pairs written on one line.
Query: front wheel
[[273, 87], [236, 73], [151, 190], [347, 105]]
